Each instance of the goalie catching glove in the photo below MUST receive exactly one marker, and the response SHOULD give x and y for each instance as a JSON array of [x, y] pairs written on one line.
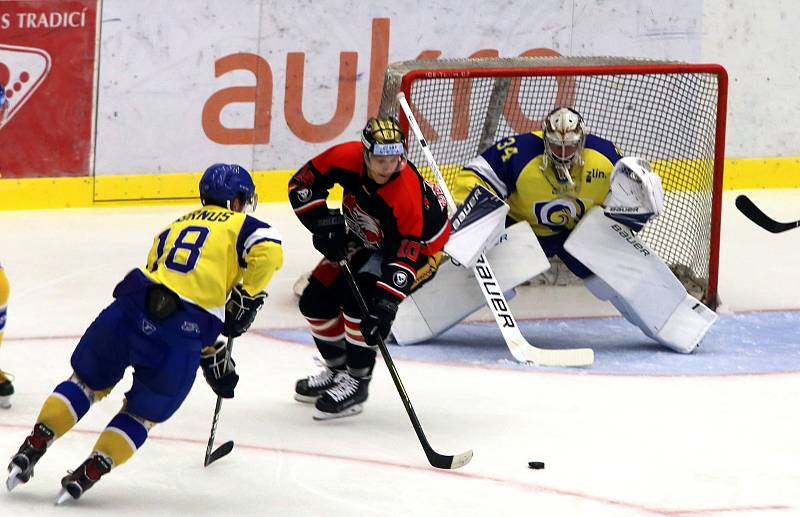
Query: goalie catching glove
[[219, 369], [636, 194], [241, 310], [379, 321]]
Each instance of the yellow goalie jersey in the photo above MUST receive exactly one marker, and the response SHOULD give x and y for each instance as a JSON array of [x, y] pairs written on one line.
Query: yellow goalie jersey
[[512, 168], [204, 254]]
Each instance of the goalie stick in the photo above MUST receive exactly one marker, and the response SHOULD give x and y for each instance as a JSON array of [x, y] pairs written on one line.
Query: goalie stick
[[212, 454], [752, 212], [519, 347], [440, 461]]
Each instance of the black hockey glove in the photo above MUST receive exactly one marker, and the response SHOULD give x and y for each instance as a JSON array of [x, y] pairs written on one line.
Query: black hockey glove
[[220, 373], [330, 235], [240, 311], [379, 321]]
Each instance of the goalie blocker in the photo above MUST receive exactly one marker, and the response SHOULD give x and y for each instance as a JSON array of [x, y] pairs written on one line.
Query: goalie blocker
[[635, 280], [422, 315], [478, 224]]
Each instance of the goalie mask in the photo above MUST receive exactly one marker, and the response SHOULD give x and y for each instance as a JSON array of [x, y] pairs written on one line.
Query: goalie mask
[[564, 136]]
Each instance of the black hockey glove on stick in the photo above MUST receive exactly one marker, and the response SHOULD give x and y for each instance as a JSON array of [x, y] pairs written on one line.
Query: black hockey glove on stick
[[330, 235], [212, 454], [241, 310], [378, 323], [219, 369]]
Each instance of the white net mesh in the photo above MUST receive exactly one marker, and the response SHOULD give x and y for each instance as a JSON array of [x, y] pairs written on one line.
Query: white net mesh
[[665, 112]]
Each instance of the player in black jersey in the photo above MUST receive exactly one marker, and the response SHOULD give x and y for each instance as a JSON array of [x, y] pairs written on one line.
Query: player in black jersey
[[394, 225]]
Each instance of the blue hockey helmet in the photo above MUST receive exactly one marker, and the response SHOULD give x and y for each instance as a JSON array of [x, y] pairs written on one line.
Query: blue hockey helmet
[[224, 182]]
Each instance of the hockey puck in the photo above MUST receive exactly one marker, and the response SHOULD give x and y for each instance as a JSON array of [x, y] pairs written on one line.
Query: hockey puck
[[536, 465]]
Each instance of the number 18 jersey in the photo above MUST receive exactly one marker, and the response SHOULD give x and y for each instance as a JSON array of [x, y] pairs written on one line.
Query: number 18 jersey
[[203, 254]]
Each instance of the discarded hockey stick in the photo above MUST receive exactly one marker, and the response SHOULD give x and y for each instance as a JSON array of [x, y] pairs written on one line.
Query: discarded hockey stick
[[519, 347], [212, 454], [440, 461], [752, 212]]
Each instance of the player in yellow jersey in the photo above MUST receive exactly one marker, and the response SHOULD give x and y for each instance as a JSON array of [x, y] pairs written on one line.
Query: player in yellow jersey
[[562, 180], [6, 388], [549, 178], [206, 273]]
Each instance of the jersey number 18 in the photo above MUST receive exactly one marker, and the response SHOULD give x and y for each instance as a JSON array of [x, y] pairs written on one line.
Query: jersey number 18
[[191, 246]]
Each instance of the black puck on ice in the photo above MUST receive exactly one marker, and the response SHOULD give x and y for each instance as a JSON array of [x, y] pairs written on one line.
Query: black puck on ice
[[536, 465]]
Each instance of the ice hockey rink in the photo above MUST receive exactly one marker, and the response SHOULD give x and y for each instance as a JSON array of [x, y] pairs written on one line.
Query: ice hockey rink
[[642, 432]]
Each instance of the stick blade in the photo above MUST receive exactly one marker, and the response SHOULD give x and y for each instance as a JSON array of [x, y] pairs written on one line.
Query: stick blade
[[525, 352], [755, 214], [220, 452], [441, 461]]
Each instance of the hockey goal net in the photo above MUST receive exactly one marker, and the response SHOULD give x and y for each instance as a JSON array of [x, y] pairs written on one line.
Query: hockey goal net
[[671, 113]]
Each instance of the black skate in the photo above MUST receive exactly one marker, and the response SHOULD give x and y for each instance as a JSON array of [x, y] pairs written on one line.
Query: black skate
[[84, 477], [345, 398], [6, 390], [312, 387], [30, 452]]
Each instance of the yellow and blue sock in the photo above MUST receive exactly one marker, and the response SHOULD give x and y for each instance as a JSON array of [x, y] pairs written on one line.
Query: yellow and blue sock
[[68, 403], [122, 437]]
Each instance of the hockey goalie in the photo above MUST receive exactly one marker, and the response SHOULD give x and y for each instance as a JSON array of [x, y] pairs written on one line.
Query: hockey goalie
[[558, 207]]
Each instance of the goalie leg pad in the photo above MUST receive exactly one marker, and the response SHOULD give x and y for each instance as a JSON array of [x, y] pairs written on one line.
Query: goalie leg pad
[[453, 294], [635, 280], [687, 325]]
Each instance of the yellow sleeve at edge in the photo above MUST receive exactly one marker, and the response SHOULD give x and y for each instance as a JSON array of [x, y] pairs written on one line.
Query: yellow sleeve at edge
[[465, 182], [263, 260]]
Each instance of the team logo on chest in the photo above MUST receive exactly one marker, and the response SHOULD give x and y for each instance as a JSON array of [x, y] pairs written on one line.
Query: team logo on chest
[[559, 213], [367, 227]]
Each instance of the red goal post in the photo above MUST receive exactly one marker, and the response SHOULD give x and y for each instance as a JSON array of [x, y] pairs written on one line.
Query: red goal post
[[671, 113]]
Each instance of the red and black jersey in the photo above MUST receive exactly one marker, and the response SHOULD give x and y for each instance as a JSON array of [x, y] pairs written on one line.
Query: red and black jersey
[[405, 218]]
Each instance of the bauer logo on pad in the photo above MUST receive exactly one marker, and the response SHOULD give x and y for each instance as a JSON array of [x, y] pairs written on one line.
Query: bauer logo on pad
[[477, 225], [22, 71]]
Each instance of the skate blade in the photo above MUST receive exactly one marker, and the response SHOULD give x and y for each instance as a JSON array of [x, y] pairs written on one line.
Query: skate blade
[[13, 481], [63, 496], [351, 411], [306, 399], [5, 402]]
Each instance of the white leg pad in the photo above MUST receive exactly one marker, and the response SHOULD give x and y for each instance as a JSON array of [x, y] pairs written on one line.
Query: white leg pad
[[634, 279], [686, 326], [453, 294]]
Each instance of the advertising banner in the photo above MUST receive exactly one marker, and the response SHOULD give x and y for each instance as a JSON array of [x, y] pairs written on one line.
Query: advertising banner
[[47, 63], [269, 85]]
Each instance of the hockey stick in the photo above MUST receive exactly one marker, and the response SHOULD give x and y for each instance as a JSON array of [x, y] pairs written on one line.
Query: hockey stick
[[519, 347], [440, 461], [227, 447], [752, 212]]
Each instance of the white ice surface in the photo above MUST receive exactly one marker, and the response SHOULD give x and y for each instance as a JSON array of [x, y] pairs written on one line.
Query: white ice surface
[[613, 445]]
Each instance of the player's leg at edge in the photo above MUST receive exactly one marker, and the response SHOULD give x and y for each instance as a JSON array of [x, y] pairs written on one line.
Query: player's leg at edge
[[6, 387], [68, 403]]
